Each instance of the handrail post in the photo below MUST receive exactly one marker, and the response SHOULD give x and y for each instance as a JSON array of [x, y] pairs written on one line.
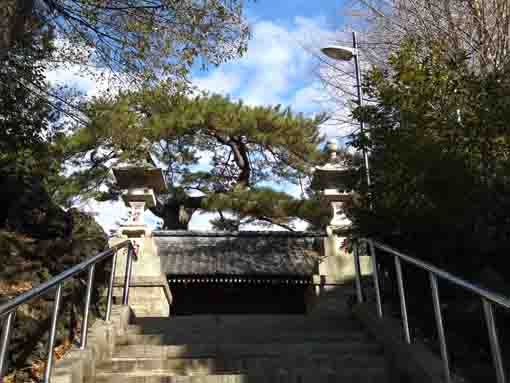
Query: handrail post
[[53, 331], [376, 279], [494, 342], [440, 327], [4, 342], [127, 277], [8, 310], [110, 287], [402, 294], [86, 309], [357, 268]]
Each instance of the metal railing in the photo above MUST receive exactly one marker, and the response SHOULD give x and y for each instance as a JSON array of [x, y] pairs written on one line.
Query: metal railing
[[8, 310], [487, 297]]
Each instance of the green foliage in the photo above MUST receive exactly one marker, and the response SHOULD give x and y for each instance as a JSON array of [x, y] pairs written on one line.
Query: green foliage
[[207, 144], [136, 39], [440, 145], [133, 42], [28, 120], [262, 204], [24, 116]]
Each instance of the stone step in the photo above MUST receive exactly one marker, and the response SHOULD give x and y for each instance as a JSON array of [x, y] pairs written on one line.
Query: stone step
[[315, 362], [301, 375], [249, 364], [172, 366], [207, 323], [293, 375], [208, 320], [157, 377], [261, 340], [264, 339], [243, 349], [229, 337], [130, 339], [249, 335], [135, 329]]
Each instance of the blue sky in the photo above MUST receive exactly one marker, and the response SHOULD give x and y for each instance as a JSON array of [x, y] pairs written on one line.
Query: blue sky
[[279, 68], [287, 9]]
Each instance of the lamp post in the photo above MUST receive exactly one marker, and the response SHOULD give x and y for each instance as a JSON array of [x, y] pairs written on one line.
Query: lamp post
[[341, 53]]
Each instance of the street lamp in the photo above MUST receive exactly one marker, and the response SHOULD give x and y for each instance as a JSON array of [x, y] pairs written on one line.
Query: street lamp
[[341, 53]]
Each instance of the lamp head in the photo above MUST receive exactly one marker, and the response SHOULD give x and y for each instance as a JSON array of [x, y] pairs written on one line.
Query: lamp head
[[338, 52]]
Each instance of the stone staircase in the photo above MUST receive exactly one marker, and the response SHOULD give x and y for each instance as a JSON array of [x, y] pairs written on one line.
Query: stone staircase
[[325, 346]]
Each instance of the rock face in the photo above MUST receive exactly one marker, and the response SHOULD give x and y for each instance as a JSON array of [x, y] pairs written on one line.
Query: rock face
[[88, 237], [46, 241]]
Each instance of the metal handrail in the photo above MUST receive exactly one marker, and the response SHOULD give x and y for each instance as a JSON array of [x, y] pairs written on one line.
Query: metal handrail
[[488, 298], [8, 310]]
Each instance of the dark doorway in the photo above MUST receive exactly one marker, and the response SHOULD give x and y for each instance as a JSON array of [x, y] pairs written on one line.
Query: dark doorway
[[244, 298]]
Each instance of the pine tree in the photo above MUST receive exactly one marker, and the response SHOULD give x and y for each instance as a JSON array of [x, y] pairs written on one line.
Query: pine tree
[[216, 154]]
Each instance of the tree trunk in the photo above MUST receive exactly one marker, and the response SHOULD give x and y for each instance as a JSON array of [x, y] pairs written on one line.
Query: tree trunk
[[176, 214], [15, 18], [176, 217]]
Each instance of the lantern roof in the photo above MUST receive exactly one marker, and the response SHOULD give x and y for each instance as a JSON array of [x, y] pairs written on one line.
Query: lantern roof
[[335, 174], [340, 179], [140, 176]]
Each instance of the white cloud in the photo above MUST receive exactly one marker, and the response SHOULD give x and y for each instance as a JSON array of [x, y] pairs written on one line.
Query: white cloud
[[309, 99], [275, 66], [219, 82], [92, 82], [107, 214], [280, 68], [204, 161], [80, 73], [201, 221], [70, 75], [271, 46]]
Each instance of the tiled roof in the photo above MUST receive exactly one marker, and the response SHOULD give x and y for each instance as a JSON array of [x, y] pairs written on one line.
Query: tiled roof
[[263, 254]]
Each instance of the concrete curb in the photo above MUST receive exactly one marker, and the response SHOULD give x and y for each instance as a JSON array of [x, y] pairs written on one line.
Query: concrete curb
[[407, 363], [79, 366]]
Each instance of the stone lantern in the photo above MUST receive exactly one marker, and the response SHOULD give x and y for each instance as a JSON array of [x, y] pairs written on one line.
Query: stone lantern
[[335, 182], [140, 184], [149, 294]]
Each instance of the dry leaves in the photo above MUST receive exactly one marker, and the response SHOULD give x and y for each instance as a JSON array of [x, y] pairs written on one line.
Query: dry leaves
[[9, 288], [37, 368]]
